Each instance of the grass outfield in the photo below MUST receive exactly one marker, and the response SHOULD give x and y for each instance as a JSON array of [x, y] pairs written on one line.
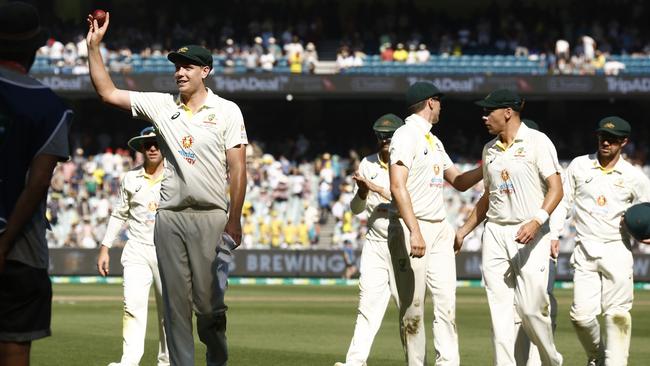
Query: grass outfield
[[292, 325]]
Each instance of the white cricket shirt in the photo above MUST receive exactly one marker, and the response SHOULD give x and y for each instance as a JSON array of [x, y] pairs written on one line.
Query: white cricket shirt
[[194, 145], [137, 206], [516, 175], [600, 197], [425, 157]]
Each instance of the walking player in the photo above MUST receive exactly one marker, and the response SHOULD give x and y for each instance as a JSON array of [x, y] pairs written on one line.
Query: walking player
[[377, 282], [522, 188], [203, 138], [420, 240], [600, 187], [139, 198]]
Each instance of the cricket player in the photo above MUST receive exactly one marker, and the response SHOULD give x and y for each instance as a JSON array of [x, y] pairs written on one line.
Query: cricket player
[[139, 198], [420, 240], [526, 353], [203, 139], [377, 282], [523, 186], [34, 125], [599, 188]]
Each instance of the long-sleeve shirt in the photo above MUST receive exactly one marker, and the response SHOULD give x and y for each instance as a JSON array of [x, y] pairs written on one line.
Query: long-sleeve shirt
[[374, 170], [137, 206]]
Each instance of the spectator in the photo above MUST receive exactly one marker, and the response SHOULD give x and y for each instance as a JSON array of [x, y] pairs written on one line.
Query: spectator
[[423, 54], [386, 52], [400, 54]]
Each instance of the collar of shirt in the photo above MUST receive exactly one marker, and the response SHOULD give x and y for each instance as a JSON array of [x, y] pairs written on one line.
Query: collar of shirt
[[210, 102], [618, 167], [521, 135], [421, 124], [381, 163], [143, 174]]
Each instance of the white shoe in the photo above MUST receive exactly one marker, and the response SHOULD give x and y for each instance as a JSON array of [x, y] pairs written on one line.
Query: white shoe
[[114, 364], [339, 364]]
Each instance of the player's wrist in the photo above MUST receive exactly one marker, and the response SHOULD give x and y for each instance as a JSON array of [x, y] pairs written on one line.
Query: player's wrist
[[541, 216]]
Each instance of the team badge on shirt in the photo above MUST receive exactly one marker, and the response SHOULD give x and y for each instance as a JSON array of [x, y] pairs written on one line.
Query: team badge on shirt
[[211, 119], [520, 153], [601, 201], [186, 152], [505, 175], [152, 206], [436, 181], [187, 141], [243, 133], [506, 187]]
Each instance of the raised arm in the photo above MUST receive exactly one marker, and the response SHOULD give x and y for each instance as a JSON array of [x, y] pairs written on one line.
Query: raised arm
[[100, 78]]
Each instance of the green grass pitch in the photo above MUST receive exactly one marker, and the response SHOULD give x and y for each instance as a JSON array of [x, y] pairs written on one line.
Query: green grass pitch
[[292, 325]]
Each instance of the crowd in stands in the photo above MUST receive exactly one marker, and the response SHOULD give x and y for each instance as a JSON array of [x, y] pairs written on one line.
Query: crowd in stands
[[563, 39], [288, 203]]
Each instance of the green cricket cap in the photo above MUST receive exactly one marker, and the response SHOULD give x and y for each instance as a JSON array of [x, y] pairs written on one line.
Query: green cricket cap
[[420, 91], [191, 54], [387, 123], [614, 125], [502, 98]]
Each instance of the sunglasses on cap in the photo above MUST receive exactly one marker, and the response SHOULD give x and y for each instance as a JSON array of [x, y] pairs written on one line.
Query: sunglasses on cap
[[381, 136]]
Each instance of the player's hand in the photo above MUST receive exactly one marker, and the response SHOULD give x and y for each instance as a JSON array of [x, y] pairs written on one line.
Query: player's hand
[[362, 183], [555, 248], [458, 241], [233, 228], [418, 247], [103, 261], [527, 232], [646, 241], [95, 32]]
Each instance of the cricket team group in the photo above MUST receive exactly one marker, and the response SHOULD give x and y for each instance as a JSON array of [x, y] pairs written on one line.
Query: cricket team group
[[187, 199]]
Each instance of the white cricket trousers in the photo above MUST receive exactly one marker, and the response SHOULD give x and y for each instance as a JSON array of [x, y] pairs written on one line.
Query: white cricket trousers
[[376, 285], [140, 271], [603, 283], [516, 279], [436, 270]]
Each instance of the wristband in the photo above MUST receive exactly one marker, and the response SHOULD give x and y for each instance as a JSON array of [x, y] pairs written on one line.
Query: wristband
[[541, 216]]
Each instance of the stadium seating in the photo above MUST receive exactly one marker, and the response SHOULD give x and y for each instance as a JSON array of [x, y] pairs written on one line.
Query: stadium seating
[[373, 65]]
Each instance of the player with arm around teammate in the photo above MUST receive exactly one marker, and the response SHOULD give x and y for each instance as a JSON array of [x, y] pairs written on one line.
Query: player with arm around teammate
[[377, 282], [522, 188], [420, 240], [198, 224], [600, 187], [139, 198]]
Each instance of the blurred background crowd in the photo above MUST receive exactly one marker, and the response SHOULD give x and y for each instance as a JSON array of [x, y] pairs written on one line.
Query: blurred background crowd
[[329, 36], [295, 204]]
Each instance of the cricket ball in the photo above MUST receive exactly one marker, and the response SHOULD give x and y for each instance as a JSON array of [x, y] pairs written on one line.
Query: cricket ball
[[100, 16]]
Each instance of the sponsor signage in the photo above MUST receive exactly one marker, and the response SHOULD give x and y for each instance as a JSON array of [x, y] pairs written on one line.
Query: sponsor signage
[[298, 263], [256, 85]]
